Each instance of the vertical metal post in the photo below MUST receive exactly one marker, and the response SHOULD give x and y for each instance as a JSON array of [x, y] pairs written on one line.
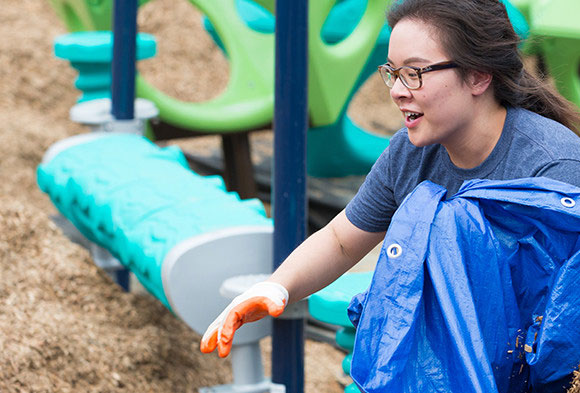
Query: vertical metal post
[[123, 76], [289, 199], [124, 53]]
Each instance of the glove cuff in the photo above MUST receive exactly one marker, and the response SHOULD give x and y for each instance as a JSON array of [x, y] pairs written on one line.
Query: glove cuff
[[277, 292]]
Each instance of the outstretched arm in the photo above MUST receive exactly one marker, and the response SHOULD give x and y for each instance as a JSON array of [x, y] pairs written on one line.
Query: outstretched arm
[[317, 262]]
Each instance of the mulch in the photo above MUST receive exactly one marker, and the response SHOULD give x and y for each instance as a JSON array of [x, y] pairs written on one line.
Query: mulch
[[64, 325]]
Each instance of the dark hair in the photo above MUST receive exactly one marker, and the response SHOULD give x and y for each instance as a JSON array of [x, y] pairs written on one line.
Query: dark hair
[[478, 35]]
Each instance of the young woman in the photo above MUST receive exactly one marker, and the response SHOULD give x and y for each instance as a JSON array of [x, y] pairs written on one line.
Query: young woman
[[471, 111]]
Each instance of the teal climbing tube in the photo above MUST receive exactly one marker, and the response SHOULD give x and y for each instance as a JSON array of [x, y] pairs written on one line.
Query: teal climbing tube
[[140, 201]]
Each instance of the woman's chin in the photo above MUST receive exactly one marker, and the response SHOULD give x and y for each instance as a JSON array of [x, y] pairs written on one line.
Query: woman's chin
[[418, 140]]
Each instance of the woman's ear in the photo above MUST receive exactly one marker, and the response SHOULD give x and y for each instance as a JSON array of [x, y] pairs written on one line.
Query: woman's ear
[[478, 82]]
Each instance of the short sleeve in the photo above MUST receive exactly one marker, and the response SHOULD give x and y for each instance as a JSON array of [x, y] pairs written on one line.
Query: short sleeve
[[565, 170], [374, 204]]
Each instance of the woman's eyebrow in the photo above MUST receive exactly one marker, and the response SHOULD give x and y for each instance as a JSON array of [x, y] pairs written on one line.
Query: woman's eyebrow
[[410, 60]]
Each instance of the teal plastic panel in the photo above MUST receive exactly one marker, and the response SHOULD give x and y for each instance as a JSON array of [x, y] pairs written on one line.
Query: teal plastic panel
[[329, 304], [345, 338], [97, 46]]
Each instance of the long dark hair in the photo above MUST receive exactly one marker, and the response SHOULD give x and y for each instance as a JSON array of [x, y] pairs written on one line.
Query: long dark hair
[[478, 35]]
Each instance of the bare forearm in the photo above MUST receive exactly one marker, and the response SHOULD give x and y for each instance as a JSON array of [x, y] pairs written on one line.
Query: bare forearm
[[324, 257], [313, 265]]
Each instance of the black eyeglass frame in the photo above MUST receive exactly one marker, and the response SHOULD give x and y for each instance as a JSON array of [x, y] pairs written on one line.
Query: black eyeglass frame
[[388, 69]]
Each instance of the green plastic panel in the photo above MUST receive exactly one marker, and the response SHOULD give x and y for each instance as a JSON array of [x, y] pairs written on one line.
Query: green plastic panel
[[555, 25], [248, 100], [335, 69], [562, 58], [555, 18]]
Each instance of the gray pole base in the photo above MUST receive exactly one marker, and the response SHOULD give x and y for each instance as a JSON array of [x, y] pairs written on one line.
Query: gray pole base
[[246, 358], [265, 386], [97, 115], [248, 373]]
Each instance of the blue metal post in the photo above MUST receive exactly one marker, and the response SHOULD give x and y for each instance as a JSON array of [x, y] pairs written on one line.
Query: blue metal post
[[289, 199], [124, 52], [123, 76], [123, 278]]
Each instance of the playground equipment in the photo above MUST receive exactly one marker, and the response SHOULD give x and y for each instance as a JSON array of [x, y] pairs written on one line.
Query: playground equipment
[[91, 54], [352, 149], [554, 24], [123, 77], [347, 149], [348, 37], [180, 233], [247, 102]]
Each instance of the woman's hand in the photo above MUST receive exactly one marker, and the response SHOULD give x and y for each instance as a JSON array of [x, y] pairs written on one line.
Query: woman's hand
[[262, 299]]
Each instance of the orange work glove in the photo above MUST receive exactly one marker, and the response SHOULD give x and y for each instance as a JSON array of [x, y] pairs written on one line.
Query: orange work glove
[[262, 299]]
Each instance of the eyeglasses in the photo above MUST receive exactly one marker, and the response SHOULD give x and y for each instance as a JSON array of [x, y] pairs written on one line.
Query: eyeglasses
[[409, 75]]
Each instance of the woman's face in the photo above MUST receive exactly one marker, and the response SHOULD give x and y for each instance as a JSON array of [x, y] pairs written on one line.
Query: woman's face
[[440, 110]]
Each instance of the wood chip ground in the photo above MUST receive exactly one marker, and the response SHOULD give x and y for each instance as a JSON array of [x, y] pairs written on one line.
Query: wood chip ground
[[64, 325]]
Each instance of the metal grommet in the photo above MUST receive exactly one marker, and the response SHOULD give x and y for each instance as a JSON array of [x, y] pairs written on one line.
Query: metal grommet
[[567, 202], [394, 250]]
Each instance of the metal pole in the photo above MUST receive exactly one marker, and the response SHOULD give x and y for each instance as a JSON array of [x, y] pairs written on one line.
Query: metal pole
[[123, 76], [124, 52], [289, 199]]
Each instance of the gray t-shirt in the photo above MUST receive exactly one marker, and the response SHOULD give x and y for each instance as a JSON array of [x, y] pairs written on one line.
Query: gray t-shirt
[[530, 145]]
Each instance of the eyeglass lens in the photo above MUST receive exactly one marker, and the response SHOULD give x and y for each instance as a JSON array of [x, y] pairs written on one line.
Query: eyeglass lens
[[409, 77]]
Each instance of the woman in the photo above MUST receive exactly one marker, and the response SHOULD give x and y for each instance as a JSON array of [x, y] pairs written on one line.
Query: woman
[[471, 111]]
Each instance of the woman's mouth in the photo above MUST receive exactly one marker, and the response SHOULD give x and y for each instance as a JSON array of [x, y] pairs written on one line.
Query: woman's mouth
[[412, 119], [410, 116]]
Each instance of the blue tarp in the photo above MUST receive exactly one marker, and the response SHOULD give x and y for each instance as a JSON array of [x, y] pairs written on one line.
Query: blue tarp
[[476, 293]]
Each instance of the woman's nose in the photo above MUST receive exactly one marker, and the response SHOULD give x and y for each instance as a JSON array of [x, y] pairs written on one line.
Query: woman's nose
[[399, 90]]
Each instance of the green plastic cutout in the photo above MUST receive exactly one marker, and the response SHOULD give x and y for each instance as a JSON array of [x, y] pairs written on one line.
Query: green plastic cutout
[[248, 101], [554, 24]]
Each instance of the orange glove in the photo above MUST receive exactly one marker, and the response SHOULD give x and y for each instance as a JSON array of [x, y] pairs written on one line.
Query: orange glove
[[262, 299]]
